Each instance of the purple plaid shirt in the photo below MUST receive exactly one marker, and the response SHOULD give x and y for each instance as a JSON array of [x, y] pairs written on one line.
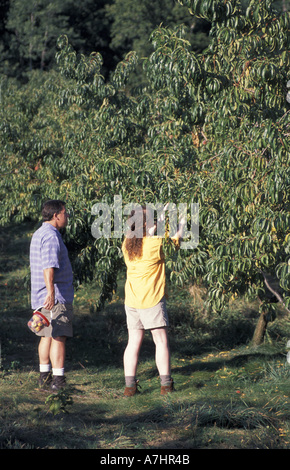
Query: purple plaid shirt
[[47, 250]]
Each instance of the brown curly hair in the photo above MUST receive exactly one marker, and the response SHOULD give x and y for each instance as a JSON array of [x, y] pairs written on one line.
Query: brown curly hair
[[134, 245]]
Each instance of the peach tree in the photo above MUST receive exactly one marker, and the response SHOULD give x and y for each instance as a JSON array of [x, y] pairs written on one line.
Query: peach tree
[[210, 128]]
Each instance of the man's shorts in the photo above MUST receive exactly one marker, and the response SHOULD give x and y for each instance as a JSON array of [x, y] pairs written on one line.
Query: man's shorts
[[60, 318], [147, 318]]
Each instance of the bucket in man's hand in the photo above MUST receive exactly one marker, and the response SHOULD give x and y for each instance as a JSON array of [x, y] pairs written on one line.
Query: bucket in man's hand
[[37, 322]]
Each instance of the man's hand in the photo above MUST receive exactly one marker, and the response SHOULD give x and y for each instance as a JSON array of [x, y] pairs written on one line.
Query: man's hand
[[49, 282], [49, 301]]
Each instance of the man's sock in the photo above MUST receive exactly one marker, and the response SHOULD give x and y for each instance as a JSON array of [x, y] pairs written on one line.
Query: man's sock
[[44, 367], [58, 371]]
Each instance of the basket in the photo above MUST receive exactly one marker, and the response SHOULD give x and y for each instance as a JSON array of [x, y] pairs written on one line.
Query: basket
[[37, 322]]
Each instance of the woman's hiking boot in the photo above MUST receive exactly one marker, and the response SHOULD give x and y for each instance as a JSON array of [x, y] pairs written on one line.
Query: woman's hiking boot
[[131, 391], [167, 388]]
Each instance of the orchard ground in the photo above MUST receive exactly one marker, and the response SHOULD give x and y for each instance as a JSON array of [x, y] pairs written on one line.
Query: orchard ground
[[229, 395]]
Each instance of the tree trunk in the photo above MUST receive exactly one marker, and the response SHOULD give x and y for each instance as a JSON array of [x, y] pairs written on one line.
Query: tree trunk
[[260, 330]]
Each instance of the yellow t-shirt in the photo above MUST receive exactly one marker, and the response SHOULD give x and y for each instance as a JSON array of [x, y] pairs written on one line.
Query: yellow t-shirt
[[146, 284]]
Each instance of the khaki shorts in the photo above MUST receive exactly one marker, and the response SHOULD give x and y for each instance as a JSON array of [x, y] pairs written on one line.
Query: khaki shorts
[[60, 318], [147, 318]]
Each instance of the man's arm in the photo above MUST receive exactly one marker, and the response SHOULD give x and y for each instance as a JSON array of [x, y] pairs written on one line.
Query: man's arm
[[49, 282]]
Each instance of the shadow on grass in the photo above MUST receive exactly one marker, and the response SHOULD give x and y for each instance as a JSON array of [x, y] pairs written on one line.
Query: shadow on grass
[[182, 426], [237, 361]]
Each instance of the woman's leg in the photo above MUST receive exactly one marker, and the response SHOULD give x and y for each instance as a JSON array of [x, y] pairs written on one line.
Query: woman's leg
[[162, 353], [162, 358], [131, 354]]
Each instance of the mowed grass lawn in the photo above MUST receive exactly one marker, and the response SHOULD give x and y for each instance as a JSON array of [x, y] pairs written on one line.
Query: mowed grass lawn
[[228, 394]]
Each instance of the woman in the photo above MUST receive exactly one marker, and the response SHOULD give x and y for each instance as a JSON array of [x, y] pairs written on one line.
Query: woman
[[145, 304]]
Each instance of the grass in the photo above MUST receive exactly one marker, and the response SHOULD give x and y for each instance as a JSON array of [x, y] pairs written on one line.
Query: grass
[[228, 395]]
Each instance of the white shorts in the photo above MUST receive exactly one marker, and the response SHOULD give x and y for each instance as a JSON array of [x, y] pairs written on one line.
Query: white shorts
[[147, 318]]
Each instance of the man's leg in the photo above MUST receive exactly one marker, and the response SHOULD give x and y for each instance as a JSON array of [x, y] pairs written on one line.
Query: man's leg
[[57, 357], [44, 362], [52, 350], [52, 354], [44, 350], [57, 352]]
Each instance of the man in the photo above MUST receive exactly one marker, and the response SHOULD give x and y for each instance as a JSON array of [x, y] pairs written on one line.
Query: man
[[52, 292]]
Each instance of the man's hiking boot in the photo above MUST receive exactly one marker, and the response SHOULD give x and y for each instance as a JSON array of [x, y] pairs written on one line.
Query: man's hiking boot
[[58, 383], [45, 379]]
